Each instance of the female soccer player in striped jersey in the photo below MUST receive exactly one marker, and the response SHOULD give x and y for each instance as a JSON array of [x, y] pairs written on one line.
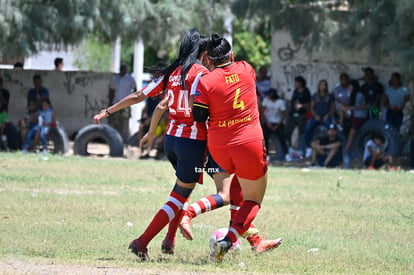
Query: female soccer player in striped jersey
[[227, 97], [185, 140]]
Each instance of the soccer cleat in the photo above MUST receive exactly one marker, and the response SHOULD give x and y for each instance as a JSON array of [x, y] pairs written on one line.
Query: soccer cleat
[[137, 249], [167, 247], [185, 228], [266, 245], [218, 249]]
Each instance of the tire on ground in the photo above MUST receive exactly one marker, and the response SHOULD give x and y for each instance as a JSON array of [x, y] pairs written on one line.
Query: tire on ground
[[60, 139], [104, 132], [391, 136]]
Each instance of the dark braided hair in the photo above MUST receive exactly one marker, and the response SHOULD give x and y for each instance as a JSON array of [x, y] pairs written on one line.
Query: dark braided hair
[[219, 49], [204, 42], [187, 56]]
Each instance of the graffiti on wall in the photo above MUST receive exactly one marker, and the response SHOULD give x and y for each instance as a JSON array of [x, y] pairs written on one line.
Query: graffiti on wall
[[93, 106]]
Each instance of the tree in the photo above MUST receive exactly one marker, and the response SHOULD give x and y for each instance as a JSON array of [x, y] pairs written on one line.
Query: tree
[[252, 47], [381, 26]]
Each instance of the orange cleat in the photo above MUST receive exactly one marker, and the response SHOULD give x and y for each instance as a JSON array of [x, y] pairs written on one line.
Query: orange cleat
[[185, 228]]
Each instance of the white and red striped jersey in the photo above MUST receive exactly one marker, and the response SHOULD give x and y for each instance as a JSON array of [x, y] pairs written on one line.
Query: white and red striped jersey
[[181, 122]]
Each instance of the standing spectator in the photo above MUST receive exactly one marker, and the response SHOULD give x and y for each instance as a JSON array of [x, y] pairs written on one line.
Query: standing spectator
[[374, 156], [38, 93], [373, 91], [322, 108], [122, 85], [274, 110], [299, 105], [326, 150], [59, 63], [262, 82], [342, 96], [396, 96], [45, 120], [4, 97], [358, 110]]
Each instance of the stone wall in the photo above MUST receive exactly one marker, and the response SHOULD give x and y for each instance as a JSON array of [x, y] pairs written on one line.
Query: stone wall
[[76, 96], [289, 61]]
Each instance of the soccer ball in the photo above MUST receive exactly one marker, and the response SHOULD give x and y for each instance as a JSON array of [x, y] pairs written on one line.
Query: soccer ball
[[220, 234]]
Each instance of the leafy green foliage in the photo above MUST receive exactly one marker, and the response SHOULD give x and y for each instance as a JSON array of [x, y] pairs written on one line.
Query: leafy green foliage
[[253, 47]]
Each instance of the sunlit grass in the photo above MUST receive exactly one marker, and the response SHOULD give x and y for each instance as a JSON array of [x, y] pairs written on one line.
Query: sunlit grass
[[80, 210]]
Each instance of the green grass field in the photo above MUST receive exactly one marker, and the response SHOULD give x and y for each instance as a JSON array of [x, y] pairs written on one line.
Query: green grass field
[[83, 211]]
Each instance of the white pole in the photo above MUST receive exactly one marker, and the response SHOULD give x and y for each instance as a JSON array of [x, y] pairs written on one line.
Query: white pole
[[116, 55], [138, 75], [228, 28]]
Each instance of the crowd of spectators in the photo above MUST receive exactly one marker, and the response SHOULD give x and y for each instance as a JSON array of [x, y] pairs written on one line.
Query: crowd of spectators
[[341, 110]]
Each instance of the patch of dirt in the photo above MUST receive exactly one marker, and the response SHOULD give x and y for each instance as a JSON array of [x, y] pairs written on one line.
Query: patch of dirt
[[27, 267]]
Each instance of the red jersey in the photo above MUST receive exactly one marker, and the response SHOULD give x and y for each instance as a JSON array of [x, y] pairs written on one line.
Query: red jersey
[[229, 93], [181, 122]]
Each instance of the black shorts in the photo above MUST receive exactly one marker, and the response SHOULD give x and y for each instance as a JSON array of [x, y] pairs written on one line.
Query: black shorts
[[211, 166], [186, 156]]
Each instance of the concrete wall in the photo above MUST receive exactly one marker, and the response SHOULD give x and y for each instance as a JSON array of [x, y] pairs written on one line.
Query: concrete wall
[[76, 96], [289, 61]]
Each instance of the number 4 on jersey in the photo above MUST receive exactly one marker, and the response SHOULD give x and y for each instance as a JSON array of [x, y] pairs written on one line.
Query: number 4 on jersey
[[236, 103]]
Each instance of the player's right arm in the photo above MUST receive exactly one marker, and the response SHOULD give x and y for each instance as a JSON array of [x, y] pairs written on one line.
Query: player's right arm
[[127, 101], [152, 89], [161, 108]]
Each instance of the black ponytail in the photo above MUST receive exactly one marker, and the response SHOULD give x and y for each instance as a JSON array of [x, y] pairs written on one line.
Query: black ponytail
[[219, 49], [187, 56]]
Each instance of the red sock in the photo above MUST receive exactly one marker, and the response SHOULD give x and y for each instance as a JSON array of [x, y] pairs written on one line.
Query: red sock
[[173, 225], [243, 219], [165, 215], [236, 197], [205, 204]]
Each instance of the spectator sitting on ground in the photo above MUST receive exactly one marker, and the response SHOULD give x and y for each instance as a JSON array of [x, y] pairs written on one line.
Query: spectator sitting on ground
[[322, 107], [373, 92], [342, 96], [358, 110], [326, 150], [412, 155], [146, 114], [4, 118], [262, 82], [58, 63], [299, 105], [4, 97], [374, 157], [46, 118], [28, 121], [158, 142], [38, 93], [274, 114], [396, 96]]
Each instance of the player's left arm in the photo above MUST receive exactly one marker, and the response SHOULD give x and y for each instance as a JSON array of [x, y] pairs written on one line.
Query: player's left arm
[[201, 103], [200, 112]]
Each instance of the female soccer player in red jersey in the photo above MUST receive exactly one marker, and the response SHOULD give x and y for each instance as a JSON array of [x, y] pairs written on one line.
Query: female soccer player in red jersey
[[184, 143], [227, 97]]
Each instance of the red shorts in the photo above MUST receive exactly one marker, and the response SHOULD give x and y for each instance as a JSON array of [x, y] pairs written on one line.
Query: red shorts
[[247, 161]]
